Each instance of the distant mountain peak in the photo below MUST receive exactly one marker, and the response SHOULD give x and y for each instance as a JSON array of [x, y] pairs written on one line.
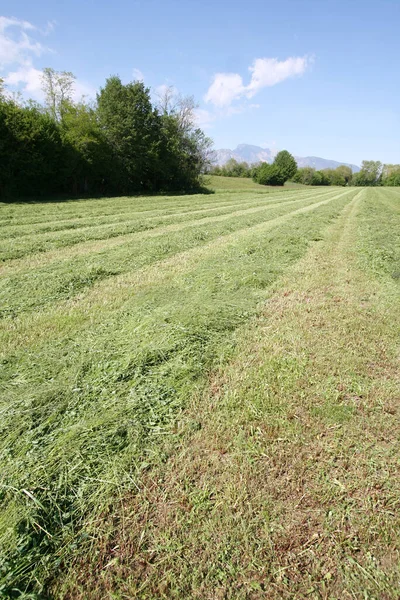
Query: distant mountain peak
[[248, 147], [254, 154]]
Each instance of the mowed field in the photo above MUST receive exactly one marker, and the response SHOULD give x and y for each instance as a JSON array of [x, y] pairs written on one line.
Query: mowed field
[[200, 396]]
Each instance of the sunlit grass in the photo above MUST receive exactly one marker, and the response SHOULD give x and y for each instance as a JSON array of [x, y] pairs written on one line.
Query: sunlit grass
[[107, 355]]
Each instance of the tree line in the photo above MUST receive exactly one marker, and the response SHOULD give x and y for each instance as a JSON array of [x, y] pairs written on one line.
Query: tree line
[[119, 144], [372, 173], [284, 168]]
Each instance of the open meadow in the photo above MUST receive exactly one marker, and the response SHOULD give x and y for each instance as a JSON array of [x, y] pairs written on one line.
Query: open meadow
[[200, 395]]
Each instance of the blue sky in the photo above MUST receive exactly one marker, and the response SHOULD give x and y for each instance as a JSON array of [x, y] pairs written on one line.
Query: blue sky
[[317, 77]]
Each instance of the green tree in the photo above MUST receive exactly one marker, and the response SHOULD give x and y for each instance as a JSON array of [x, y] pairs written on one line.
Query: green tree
[[286, 164], [185, 151], [216, 170], [334, 177], [89, 162], [121, 144], [304, 176], [320, 178], [283, 168], [58, 87], [267, 174], [309, 176], [233, 168], [391, 175], [369, 175], [346, 173], [133, 129], [30, 151]]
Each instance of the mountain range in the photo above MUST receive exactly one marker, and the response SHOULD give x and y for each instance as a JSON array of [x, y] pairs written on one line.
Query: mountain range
[[254, 154]]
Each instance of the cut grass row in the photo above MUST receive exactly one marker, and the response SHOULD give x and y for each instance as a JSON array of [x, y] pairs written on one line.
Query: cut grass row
[[30, 289], [33, 261], [93, 384], [38, 212], [88, 307], [95, 220], [282, 480], [35, 241], [73, 214], [38, 243], [241, 184]]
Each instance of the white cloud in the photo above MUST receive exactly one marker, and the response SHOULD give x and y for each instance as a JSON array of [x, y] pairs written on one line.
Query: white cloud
[[29, 80], [137, 75], [265, 72], [16, 45], [6, 22], [225, 88], [18, 50]]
